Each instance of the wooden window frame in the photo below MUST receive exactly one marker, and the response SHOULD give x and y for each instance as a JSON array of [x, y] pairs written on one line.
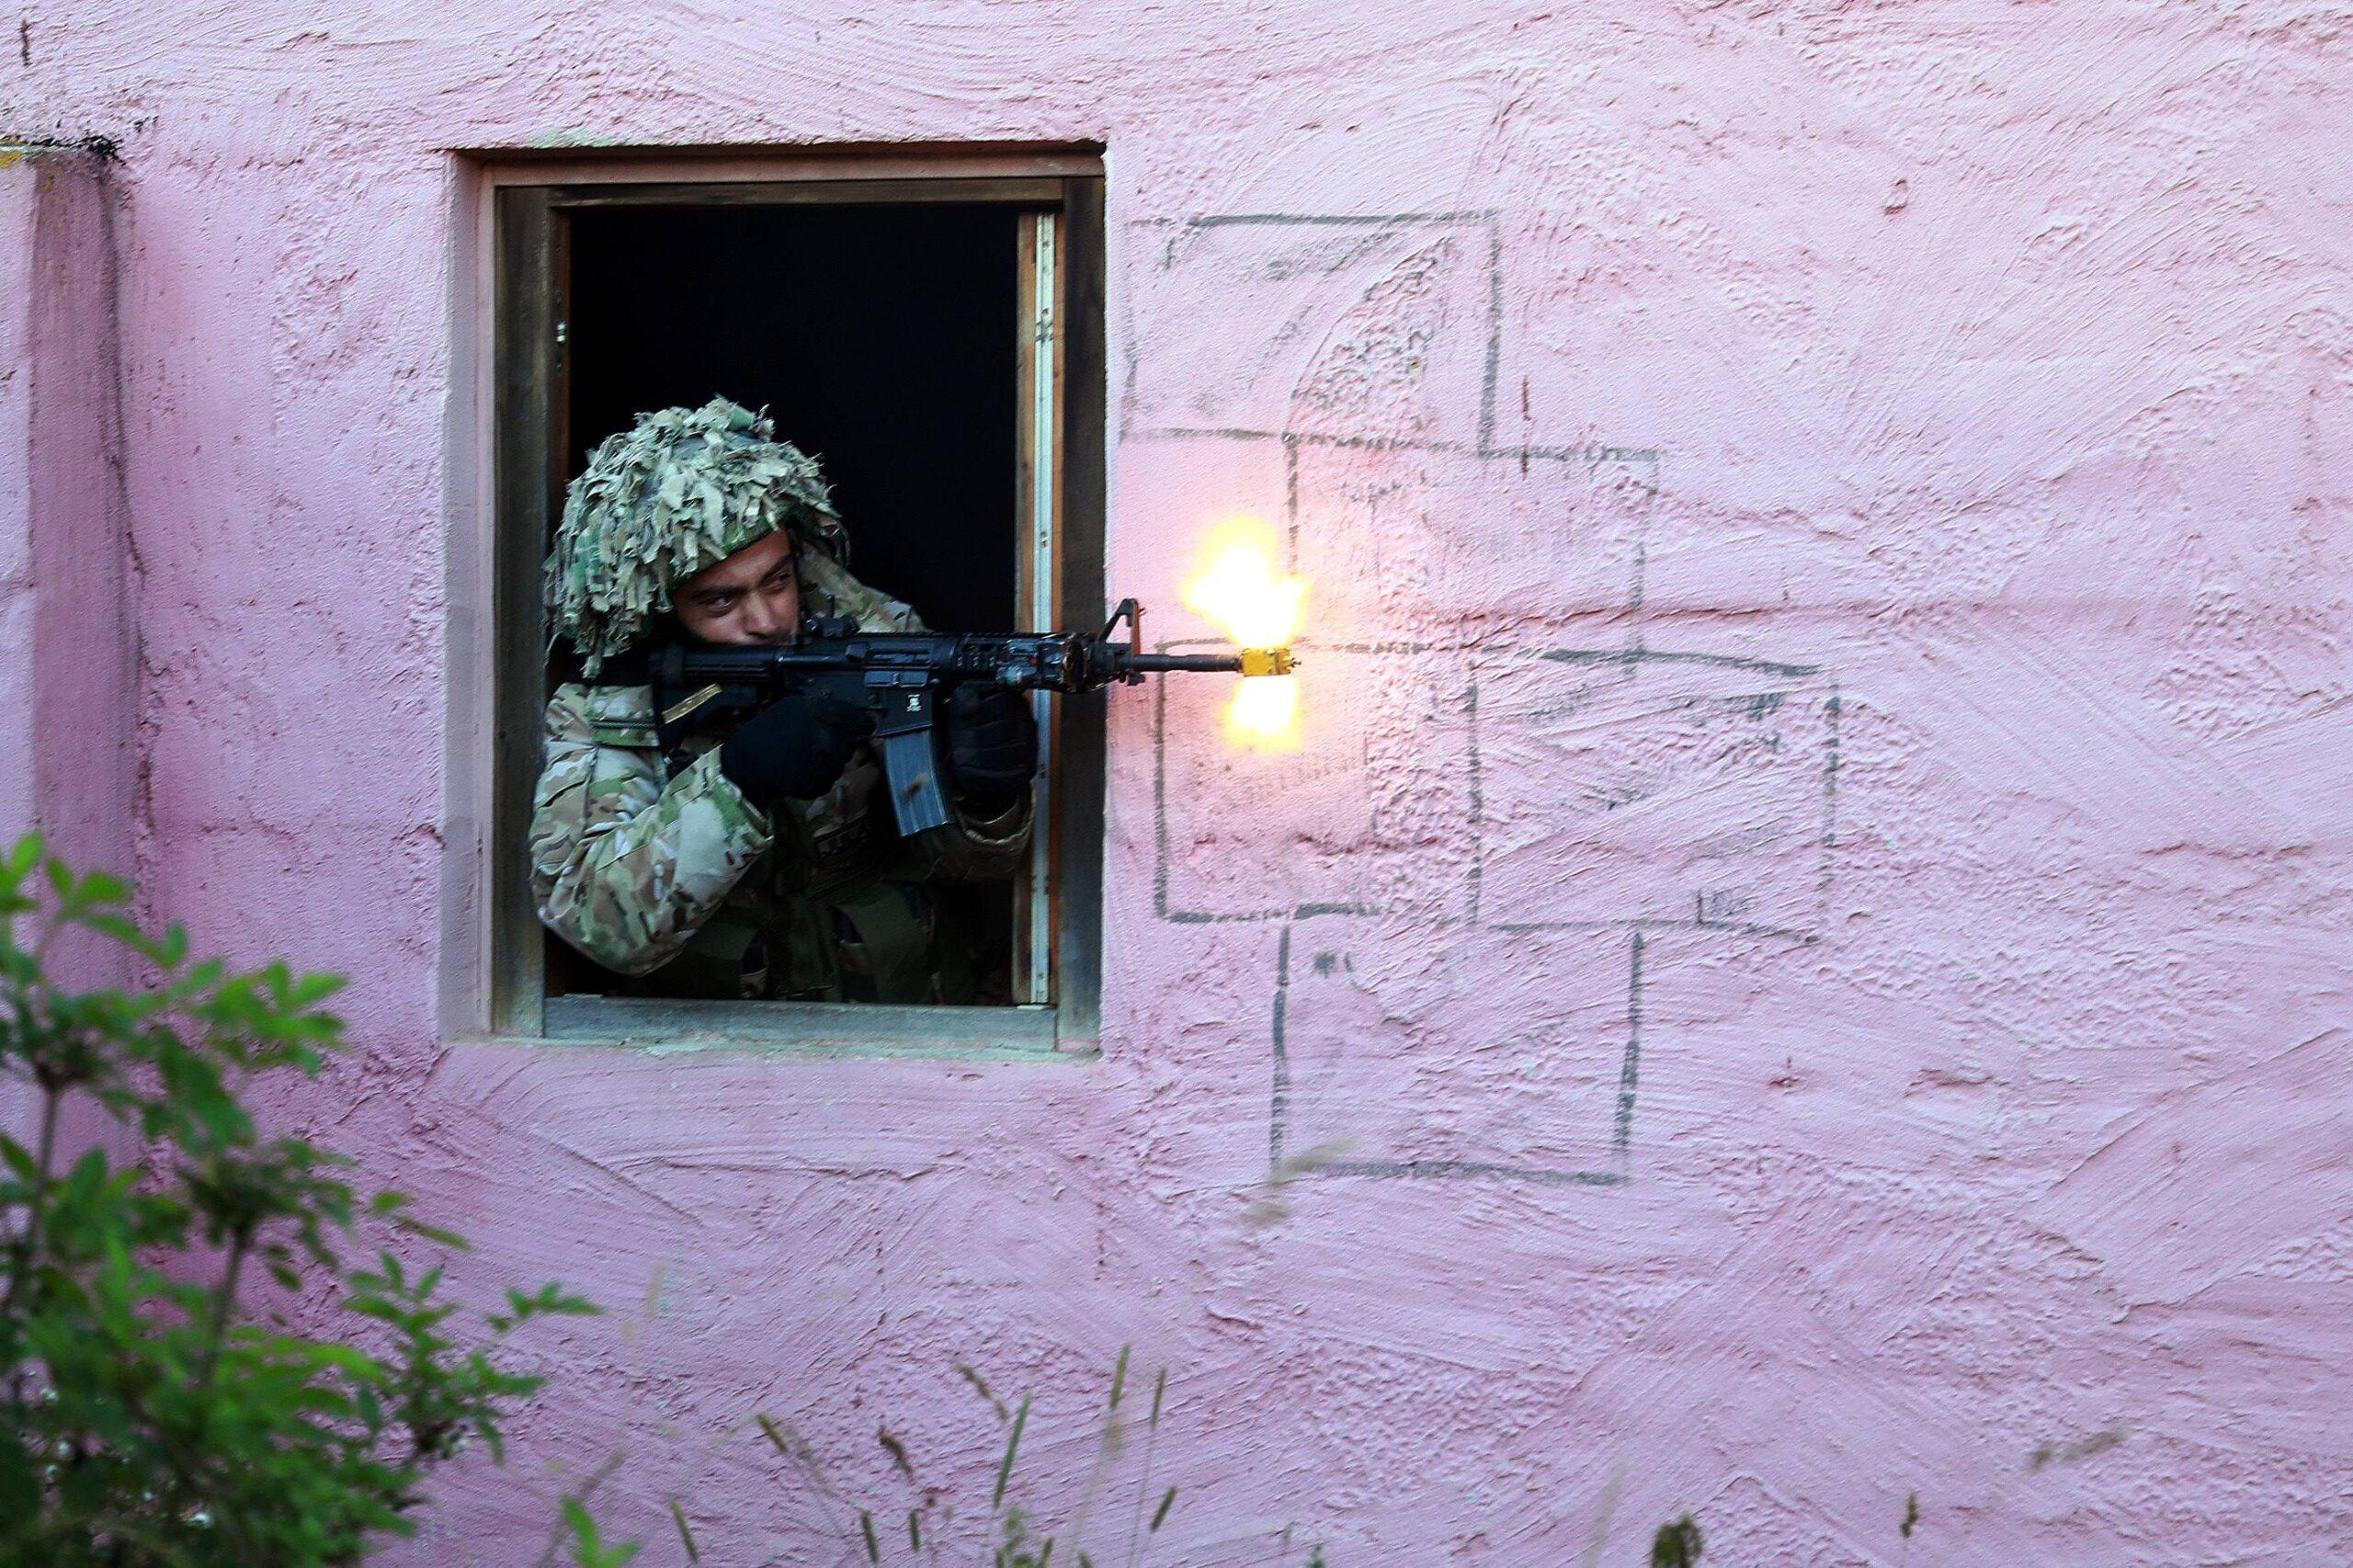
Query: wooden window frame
[[507, 484]]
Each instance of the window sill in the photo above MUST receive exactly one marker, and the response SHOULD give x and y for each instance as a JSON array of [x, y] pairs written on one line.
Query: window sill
[[811, 1028]]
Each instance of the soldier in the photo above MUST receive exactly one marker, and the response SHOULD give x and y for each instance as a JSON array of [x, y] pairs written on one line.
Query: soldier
[[766, 862]]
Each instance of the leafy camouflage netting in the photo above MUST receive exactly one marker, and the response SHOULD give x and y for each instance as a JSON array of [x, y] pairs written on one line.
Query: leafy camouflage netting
[[681, 490]]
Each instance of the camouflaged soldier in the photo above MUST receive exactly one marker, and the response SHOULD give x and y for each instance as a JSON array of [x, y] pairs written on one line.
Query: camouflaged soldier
[[765, 862]]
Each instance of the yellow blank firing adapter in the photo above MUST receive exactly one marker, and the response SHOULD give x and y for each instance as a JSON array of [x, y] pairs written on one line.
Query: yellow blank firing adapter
[[1266, 662]]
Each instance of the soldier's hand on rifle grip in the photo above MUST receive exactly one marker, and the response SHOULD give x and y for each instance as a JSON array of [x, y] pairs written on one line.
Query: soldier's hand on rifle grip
[[796, 746], [992, 747]]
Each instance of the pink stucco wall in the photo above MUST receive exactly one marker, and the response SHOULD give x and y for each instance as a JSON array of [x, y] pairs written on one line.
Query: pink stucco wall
[[1816, 893]]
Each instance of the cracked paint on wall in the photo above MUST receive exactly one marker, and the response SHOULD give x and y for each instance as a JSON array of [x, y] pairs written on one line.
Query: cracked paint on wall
[[1814, 901]]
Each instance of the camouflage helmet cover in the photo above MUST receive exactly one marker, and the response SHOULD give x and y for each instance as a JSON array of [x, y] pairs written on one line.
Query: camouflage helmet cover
[[682, 489]]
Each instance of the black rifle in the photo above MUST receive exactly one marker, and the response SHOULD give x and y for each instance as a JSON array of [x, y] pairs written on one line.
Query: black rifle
[[901, 676]]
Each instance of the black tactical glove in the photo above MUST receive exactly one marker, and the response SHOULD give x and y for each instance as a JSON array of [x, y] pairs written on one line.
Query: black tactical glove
[[796, 746], [992, 748]]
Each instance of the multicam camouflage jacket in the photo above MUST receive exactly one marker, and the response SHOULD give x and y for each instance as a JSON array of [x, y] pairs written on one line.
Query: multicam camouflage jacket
[[661, 870]]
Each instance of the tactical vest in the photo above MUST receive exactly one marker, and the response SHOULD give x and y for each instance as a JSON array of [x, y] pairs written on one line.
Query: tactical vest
[[837, 910]]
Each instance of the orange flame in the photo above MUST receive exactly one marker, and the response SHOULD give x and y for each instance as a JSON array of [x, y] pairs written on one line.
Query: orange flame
[[1264, 713], [1259, 606]]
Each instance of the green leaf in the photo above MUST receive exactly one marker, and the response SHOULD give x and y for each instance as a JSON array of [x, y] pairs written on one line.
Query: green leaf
[[583, 1527], [314, 988], [101, 887], [433, 1233], [122, 931], [588, 1548]]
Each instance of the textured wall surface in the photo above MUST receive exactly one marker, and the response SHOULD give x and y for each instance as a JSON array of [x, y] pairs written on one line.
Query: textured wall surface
[[1809, 937]]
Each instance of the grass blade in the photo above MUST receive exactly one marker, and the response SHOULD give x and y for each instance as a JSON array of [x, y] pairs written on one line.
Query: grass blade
[[1107, 1449], [1151, 1451], [1012, 1446], [980, 1386], [797, 1453]]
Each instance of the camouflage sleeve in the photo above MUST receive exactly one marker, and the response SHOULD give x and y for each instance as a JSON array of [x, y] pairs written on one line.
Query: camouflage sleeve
[[828, 588], [978, 849], [624, 865]]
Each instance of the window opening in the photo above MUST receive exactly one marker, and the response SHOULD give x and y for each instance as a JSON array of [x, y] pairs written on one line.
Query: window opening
[[916, 348]]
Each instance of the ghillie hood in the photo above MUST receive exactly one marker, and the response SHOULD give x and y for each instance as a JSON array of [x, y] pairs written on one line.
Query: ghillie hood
[[682, 489]]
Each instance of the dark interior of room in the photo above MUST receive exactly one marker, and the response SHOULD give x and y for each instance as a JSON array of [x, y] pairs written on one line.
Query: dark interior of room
[[881, 339]]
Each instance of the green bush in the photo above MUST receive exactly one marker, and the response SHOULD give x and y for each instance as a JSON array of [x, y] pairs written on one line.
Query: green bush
[[155, 1413]]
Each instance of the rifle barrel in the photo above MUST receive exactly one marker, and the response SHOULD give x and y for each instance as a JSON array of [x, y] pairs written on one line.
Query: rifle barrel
[[1154, 663]]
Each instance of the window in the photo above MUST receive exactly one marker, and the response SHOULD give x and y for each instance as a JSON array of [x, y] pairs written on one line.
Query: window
[[934, 333]]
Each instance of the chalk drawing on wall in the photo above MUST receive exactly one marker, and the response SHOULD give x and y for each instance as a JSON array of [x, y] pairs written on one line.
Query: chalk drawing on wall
[[1651, 795], [1602, 800], [1377, 332]]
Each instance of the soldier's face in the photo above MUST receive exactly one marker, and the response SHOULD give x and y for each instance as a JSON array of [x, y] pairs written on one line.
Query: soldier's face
[[752, 597]]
